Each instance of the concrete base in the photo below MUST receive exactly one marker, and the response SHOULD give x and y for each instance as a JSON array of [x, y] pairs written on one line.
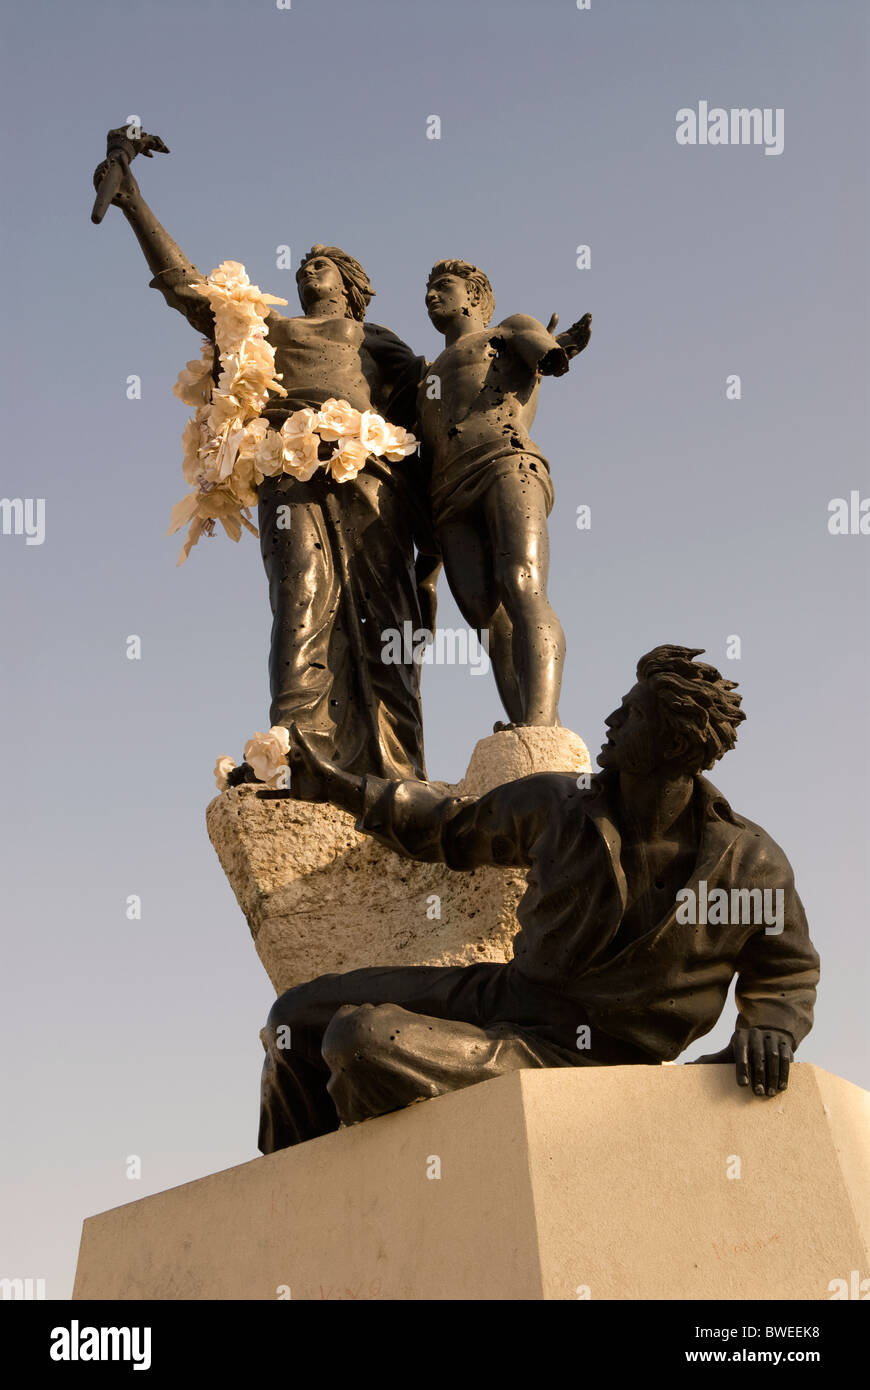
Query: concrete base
[[319, 897], [606, 1183]]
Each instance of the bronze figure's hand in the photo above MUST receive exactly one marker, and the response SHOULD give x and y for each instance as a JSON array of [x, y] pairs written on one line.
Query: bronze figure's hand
[[113, 180], [128, 188], [575, 338], [762, 1057]]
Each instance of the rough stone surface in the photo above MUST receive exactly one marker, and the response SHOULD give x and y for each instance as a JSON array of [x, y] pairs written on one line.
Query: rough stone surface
[[514, 753], [319, 897], [594, 1182]]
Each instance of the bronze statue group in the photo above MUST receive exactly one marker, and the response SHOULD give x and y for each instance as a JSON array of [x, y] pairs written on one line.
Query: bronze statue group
[[604, 953]]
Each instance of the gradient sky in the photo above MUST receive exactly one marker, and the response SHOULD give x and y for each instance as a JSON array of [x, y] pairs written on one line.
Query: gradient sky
[[709, 517]]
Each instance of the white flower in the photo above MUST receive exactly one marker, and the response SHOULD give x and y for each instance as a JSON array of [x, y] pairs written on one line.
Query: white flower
[[337, 419], [229, 447], [192, 440], [270, 454], [267, 753], [300, 423], [229, 290], [254, 434], [302, 461], [374, 432], [222, 769], [399, 443], [245, 480], [195, 382], [257, 352], [224, 410], [234, 323], [348, 459], [229, 276]]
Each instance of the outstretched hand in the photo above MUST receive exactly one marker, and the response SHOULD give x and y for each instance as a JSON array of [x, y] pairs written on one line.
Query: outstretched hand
[[762, 1057], [575, 338]]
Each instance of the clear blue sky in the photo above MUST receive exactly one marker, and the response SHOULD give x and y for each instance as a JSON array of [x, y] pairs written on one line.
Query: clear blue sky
[[709, 517]]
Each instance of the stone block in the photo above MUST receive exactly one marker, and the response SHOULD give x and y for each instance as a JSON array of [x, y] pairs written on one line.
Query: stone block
[[319, 897], [605, 1183]]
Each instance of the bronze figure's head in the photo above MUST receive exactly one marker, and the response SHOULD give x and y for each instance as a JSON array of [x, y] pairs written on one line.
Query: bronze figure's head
[[328, 269], [681, 716], [453, 288]]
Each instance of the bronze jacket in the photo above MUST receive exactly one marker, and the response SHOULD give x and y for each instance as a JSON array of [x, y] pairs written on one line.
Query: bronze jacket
[[661, 990]]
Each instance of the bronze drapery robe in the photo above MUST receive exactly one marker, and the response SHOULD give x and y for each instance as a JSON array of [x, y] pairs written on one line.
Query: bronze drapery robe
[[341, 575]]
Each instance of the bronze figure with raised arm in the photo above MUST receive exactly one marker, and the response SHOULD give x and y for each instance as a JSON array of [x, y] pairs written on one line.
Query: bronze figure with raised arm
[[339, 556]]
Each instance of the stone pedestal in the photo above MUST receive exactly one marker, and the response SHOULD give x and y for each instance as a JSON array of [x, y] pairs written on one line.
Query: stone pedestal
[[319, 897], [605, 1183]]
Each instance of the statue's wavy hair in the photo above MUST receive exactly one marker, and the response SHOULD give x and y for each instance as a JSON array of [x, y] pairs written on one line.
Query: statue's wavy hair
[[694, 701], [475, 277], [357, 285]]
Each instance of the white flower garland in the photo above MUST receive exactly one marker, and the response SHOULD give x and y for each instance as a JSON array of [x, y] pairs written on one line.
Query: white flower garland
[[266, 754], [229, 448]]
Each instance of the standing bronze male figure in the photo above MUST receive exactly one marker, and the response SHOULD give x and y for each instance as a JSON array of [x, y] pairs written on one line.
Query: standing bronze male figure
[[491, 492]]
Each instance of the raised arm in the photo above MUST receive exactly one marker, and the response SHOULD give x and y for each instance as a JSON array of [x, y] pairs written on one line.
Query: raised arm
[[173, 272]]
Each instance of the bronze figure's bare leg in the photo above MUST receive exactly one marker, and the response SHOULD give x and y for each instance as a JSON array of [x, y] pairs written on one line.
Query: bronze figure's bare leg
[[468, 565], [516, 517], [501, 640]]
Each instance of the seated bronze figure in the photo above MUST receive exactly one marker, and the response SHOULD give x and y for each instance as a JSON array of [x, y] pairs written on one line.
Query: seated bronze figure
[[646, 895]]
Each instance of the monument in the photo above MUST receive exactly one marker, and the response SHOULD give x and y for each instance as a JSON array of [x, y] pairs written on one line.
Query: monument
[[626, 901]]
